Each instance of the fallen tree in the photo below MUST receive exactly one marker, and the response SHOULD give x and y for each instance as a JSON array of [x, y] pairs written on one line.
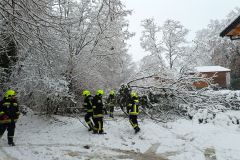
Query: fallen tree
[[168, 99]]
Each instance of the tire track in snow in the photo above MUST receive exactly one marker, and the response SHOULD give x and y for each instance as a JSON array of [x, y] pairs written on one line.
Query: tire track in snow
[[150, 154]]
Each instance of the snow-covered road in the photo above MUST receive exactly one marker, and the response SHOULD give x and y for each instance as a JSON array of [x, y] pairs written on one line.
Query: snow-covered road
[[64, 138]]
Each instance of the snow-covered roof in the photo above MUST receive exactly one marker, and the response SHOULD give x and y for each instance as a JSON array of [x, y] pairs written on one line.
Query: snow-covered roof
[[211, 69], [232, 30]]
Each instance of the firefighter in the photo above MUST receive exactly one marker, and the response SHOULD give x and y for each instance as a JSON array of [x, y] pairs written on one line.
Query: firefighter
[[111, 100], [98, 112], [9, 114], [133, 108], [88, 108], [125, 91]]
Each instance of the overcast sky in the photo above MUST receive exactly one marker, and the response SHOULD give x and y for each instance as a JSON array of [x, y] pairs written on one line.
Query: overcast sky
[[193, 14]]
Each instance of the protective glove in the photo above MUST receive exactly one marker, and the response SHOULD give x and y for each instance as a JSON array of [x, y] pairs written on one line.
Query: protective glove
[[18, 113]]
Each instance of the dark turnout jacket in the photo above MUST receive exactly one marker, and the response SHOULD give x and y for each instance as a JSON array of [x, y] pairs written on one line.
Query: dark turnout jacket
[[88, 104], [97, 107], [111, 99], [9, 111], [133, 106]]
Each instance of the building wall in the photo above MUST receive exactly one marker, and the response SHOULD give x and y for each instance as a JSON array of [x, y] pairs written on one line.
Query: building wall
[[222, 79]]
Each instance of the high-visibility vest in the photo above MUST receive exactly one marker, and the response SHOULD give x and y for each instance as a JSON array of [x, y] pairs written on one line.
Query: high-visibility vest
[[134, 107]]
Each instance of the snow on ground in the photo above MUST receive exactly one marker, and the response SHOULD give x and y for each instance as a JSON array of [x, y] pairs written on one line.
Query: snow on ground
[[65, 138]]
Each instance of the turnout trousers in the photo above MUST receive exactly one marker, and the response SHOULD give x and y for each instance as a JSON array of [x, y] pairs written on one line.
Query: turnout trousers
[[111, 109], [88, 117], [134, 122], [10, 127], [98, 128]]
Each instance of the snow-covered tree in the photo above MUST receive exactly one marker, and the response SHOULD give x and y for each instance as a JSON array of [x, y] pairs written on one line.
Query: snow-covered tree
[[95, 38], [30, 25], [211, 49], [174, 41], [64, 46], [150, 40], [166, 42]]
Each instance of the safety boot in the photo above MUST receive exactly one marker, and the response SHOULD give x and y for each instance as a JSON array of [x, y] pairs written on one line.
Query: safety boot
[[137, 129], [10, 141], [11, 144]]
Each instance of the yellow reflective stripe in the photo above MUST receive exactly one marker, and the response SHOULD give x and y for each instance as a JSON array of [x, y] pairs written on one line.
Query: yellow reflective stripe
[[89, 122], [135, 108], [134, 125], [90, 110], [98, 116], [91, 125], [6, 103], [136, 100], [99, 126], [131, 122], [1, 113], [94, 107], [134, 112], [5, 121]]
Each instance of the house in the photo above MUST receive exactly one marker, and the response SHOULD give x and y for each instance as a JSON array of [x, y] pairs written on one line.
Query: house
[[221, 76], [232, 30]]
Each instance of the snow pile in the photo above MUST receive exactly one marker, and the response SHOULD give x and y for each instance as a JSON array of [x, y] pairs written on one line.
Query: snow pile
[[229, 118]]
